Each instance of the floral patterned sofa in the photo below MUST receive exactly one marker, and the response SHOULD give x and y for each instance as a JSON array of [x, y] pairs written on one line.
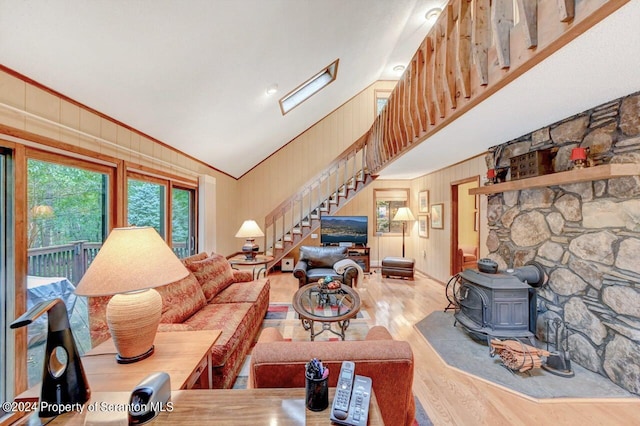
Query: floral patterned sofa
[[212, 297]]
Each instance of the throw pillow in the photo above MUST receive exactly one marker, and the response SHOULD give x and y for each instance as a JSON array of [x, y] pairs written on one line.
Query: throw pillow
[[194, 258], [181, 299], [214, 274]]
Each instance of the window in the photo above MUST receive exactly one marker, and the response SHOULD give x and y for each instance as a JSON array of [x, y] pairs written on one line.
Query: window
[[68, 219], [146, 203], [381, 97], [386, 204], [309, 88], [183, 237]]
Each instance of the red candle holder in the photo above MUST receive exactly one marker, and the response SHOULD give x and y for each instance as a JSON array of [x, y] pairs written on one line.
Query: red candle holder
[[491, 176], [579, 157]]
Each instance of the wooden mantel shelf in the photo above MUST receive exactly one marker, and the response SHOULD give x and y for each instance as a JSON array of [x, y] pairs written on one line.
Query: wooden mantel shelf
[[605, 171]]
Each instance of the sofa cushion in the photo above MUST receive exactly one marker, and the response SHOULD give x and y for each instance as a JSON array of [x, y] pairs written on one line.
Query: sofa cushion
[[231, 318], [213, 273], [322, 257], [315, 274], [242, 292], [181, 299]]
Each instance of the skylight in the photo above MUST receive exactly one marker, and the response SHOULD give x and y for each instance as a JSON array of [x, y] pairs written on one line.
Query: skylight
[[309, 88]]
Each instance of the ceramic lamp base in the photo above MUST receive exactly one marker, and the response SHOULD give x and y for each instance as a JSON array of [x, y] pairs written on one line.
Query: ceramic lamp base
[[250, 249], [133, 320], [131, 360]]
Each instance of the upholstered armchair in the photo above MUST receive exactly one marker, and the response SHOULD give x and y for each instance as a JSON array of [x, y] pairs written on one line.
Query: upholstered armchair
[[318, 262], [467, 256]]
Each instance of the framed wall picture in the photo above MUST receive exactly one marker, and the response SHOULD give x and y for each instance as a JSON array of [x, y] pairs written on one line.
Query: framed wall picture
[[423, 202], [437, 218], [423, 225]]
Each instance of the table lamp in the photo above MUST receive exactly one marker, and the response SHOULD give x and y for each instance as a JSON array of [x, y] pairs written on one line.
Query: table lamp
[[130, 263], [250, 231], [404, 214]]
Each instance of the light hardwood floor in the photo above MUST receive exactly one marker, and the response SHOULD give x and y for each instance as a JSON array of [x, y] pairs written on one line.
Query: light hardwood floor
[[451, 397]]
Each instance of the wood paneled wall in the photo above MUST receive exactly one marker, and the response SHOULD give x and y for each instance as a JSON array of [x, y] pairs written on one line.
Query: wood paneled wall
[[433, 254], [280, 175], [112, 141]]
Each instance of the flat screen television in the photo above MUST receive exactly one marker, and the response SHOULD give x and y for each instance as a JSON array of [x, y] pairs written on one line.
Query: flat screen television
[[343, 229]]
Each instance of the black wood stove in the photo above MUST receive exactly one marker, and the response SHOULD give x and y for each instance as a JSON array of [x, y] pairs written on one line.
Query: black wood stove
[[500, 304]]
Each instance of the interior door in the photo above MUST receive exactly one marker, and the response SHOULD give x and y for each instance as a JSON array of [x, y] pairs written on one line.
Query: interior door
[[465, 213]]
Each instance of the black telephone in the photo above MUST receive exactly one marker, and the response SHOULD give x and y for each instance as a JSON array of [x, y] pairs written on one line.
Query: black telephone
[[351, 401]]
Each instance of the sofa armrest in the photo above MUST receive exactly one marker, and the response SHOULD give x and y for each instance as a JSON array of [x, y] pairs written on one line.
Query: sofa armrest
[[242, 276]]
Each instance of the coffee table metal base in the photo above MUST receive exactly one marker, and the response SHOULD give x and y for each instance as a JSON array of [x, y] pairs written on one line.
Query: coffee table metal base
[[326, 326]]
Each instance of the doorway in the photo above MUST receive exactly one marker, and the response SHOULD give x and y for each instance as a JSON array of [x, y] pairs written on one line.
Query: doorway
[[465, 225]]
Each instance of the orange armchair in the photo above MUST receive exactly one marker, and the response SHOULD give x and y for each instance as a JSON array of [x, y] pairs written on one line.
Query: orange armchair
[[276, 363]]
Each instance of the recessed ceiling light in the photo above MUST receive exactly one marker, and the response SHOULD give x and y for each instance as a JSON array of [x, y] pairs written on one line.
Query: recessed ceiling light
[[432, 14], [398, 69], [272, 89]]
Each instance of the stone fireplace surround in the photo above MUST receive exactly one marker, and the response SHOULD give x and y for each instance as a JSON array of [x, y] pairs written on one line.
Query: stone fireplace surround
[[586, 235]]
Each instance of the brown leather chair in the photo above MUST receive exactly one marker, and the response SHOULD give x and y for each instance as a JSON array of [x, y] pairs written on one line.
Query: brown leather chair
[[318, 262]]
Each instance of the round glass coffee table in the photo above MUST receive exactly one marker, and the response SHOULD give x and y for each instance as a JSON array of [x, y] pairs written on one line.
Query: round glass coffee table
[[315, 304]]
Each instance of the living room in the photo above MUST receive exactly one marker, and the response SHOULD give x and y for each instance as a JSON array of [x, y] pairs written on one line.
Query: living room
[[108, 142]]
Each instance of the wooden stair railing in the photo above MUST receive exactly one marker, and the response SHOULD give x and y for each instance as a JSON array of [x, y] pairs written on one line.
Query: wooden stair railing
[[474, 49], [324, 194]]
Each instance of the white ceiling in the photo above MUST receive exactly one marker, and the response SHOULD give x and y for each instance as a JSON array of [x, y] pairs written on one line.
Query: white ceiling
[[193, 74]]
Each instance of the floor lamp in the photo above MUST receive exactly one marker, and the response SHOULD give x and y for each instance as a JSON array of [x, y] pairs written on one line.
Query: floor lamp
[[404, 214]]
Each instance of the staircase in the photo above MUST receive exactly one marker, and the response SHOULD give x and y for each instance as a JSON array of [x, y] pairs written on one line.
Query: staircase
[[473, 50], [325, 194]]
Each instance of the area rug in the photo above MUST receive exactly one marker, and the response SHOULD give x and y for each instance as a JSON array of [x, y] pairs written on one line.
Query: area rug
[[460, 351], [285, 319]]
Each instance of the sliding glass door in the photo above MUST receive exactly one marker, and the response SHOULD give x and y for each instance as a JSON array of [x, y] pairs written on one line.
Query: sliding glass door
[[6, 290], [68, 220], [183, 221]]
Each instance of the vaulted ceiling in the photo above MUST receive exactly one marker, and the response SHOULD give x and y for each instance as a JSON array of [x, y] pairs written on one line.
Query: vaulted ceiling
[[194, 74]]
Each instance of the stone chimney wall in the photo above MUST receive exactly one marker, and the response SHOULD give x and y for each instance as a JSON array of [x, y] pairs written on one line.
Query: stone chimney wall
[[586, 236]]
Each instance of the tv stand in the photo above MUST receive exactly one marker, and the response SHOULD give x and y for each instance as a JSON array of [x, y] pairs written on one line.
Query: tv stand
[[360, 255]]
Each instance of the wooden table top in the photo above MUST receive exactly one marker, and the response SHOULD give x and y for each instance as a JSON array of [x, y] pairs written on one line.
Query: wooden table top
[[227, 407], [177, 353]]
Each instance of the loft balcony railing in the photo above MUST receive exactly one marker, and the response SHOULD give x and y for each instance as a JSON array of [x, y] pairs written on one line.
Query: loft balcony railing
[[475, 48]]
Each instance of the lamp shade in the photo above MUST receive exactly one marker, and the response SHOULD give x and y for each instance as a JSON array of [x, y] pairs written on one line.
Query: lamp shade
[[249, 229], [404, 214], [131, 259], [130, 263]]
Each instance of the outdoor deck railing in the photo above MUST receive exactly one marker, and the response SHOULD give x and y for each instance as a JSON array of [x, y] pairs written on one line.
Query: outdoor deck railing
[[72, 260]]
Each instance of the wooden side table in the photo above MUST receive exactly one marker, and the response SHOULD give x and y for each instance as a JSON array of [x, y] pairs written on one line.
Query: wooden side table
[[184, 355], [260, 264]]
